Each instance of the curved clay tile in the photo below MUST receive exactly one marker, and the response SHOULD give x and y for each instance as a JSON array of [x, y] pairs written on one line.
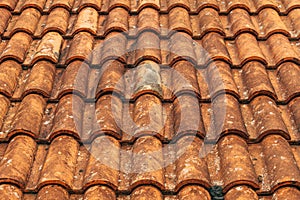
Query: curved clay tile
[[9, 73], [209, 3], [119, 3], [80, 47], [38, 4], [267, 118], [190, 167], [227, 117], [147, 79], [248, 49], [245, 4], [241, 193], [53, 192], [68, 117], [5, 17], [270, 23], [147, 162], [29, 116], [178, 3], [40, 79], [148, 19], [111, 78], [17, 47], [257, 81], [241, 22], [187, 110], [103, 164], [62, 154], [4, 106], [87, 20], [10, 4], [141, 4], [295, 110], [294, 16], [184, 78], [287, 193], [281, 49], [179, 20], [147, 115], [74, 79], [220, 79], [144, 192], [27, 21], [261, 4], [49, 48], [99, 193], [289, 5], [147, 47], [181, 47], [209, 21], [67, 4], [281, 166], [193, 192], [117, 20], [214, 45], [10, 192], [17, 160], [57, 20], [237, 167], [88, 3], [112, 48], [288, 74], [108, 113]]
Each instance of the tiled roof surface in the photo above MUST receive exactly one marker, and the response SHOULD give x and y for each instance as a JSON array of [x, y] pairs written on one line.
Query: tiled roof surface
[[49, 143]]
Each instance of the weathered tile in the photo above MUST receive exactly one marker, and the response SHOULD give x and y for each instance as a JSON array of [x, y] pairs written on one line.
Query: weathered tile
[[193, 192], [5, 17], [179, 20], [10, 192], [68, 117], [9, 73], [87, 20], [100, 193], [48, 48], [60, 162], [53, 192], [29, 116], [190, 167], [17, 47], [147, 162], [80, 47], [16, 163], [103, 164]]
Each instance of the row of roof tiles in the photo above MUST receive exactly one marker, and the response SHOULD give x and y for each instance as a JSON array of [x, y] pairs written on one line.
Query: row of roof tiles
[[148, 115], [283, 6], [192, 192], [264, 167], [148, 77], [272, 52], [264, 24]]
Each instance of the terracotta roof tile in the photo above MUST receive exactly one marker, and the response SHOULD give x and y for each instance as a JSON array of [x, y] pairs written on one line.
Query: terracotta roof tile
[[149, 99]]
